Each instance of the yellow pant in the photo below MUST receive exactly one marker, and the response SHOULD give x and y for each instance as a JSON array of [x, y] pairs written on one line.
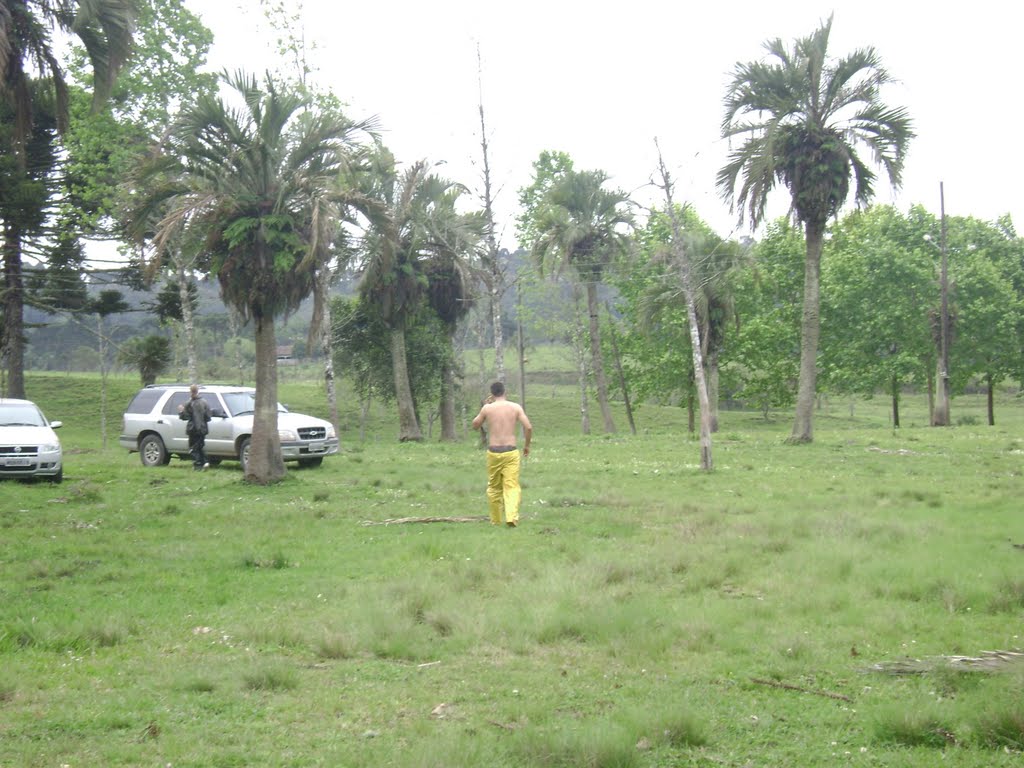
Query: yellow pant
[[503, 492]]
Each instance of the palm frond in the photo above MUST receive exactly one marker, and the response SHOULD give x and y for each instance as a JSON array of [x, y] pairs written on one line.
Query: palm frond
[[801, 116]]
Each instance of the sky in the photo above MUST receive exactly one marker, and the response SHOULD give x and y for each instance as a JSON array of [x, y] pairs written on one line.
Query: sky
[[602, 81]]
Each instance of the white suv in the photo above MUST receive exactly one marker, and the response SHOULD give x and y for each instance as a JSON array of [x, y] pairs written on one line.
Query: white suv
[[152, 427]]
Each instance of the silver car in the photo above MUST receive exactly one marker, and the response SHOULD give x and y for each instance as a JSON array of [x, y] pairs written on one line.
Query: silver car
[[28, 445], [153, 429]]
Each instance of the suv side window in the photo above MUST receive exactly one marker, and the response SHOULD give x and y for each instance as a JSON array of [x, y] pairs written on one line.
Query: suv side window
[[171, 406], [214, 401], [144, 401]]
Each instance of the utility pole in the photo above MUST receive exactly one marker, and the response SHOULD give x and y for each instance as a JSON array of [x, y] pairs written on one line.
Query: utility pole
[[941, 416]]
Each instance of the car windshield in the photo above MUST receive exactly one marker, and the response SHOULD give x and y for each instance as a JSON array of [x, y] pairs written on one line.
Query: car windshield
[[241, 403], [21, 416]]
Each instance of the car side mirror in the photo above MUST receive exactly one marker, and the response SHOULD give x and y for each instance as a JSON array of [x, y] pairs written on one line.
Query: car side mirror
[[55, 424], [219, 413]]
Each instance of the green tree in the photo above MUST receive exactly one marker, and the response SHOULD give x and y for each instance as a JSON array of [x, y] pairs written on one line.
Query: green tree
[[655, 305], [361, 345], [986, 309], [168, 306], [150, 355], [547, 169], [803, 116], [27, 165], [583, 227], [165, 70], [878, 285], [764, 355], [29, 51], [411, 220], [257, 184]]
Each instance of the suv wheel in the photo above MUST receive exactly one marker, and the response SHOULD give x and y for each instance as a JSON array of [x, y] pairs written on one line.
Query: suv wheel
[[243, 453], [152, 451]]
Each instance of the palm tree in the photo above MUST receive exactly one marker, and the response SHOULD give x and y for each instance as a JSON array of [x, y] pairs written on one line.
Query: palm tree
[[149, 354], [259, 184], [450, 276], [803, 117], [583, 226], [28, 56], [410, 218], [27, 46]]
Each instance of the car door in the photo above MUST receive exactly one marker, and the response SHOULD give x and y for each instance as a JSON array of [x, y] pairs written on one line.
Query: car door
[[172, 428], [220, 439]]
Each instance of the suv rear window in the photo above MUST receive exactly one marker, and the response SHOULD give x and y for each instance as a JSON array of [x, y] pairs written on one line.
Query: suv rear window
[[144, 401], [176, 399]]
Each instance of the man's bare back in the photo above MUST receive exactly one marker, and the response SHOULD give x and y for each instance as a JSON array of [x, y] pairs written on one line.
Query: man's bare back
[[501, 417]]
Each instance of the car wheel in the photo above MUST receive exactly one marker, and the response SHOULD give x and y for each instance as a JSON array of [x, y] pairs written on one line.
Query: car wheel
[[152, 451], [314, 462], [59, 477], [243, 453]]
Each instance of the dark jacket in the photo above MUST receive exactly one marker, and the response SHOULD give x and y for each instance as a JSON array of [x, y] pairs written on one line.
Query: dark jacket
[[197, 414]]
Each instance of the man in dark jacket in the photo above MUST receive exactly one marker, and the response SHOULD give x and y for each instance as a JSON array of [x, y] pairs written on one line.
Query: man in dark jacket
[[196, 413]]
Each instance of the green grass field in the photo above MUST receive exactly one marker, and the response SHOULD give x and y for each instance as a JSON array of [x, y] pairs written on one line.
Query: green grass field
[[644, 614]]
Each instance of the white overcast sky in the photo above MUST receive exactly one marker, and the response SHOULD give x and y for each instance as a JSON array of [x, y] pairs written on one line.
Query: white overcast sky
[[601, 80]]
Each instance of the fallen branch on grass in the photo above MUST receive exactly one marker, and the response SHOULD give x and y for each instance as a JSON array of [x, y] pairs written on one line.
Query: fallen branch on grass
[[788, 687], [404, 520]]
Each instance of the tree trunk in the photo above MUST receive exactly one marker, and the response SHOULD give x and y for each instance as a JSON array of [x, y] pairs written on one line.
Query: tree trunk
[[364, 416], [940, 411], [713, 388], [235, 325], [521, 347], [481, 334], [459, 371], [320, 338], [482, 367], [931, 394], [697, 350], [447, 405], [810, 329], [691, 409], [706, 462], [13, 346], [265, 464], [495, 280], [991, 400], [619, 372], [581, 363], [940, 415], [101, 337], [584, 401], [597, 358], [330, 386], [499, 341], [187, 320], [408, 425], [895, 403]]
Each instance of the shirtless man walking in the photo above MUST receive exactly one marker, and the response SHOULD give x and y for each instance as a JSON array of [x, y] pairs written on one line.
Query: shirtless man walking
[[501, 417]]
